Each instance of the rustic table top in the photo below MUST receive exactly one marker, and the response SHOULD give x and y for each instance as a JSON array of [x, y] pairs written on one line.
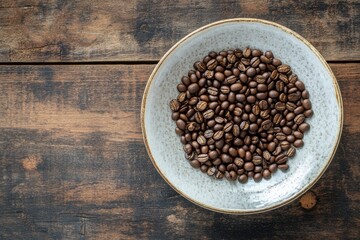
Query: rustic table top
[[73, 164]]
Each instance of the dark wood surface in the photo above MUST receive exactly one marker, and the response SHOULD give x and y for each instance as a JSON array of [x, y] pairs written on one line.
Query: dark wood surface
[[72, 160], [110, 30]]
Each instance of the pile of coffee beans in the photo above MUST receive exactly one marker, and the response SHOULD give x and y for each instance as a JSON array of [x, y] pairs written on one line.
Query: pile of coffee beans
[[241, 114]]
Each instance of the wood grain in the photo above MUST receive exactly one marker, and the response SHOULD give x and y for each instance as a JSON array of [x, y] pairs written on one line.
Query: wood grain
[[110, 30], [73, 165]]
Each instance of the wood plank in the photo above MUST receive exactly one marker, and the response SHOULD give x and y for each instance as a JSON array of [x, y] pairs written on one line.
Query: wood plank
[[71, 170], [109, 30]]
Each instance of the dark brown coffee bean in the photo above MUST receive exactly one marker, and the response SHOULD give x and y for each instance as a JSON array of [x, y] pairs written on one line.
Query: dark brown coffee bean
[[298, 143], [305, 94], [300, 85], [235, 87], [257, 160], [283, 167], [193, 88], [290, 138], [273, 94], [174, 105], [202, 157], [200, 66], [208, 114], [293, 97], [308, 113], [249, 166], [291, 152], [291, 106], [244, 125], [283, 68], [280, 106], [277, 118], [201, 140], [181, 124], [299, 119], [283, 97], [265, 59], [175, 116], [201, 106], [247, 52], [299, 110], [243, 178], [290, 116], [277, 151], [211, 65], [199, 118], [285, 145], [307, 104], [271, 146], [228, 126], [280, 136], [304, 127], [251, 72], [195, 163], [218, 135]]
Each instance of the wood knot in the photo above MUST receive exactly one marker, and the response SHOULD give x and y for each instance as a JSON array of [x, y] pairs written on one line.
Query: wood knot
[[308, 200], [31, 162]]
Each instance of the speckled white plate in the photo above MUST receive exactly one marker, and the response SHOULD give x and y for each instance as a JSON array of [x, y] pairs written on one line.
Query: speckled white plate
[[306, 167]]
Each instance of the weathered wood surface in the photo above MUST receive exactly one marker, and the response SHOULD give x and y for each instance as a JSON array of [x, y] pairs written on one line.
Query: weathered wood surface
[[111, 30], [73, 165]]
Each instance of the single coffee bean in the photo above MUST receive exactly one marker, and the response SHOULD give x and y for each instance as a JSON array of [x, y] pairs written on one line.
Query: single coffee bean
[[243, 178], [293, 97], [249, 166], [208, 114], [307, 104], [304, 127], [257, 160], [299, 110], [228, 126], [298, 143], [283, 68], [291, 106], [283, 167], [308, 113], [235, 87], [291, 152], [174, 105], [280, 106], [202, 158], [299, 119], [285, 145], [201, 106], [218, 135], [201, 140], [244, 125], [271, 146]]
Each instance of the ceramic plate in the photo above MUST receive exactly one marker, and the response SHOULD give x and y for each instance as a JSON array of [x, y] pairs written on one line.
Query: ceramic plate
[[309, 163]]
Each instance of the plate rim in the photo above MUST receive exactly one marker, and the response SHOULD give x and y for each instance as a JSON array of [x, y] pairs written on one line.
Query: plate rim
[[241, 20]]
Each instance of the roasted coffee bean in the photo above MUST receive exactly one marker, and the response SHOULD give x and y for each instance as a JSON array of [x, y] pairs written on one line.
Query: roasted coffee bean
[[208, 114], [174, 105], [298, 143], [299, 119], [304, 127], [202, 158], [228, 126], [291, 152], [283, 68], [283, 167], [280, 106], [291, 106], [293, 97]]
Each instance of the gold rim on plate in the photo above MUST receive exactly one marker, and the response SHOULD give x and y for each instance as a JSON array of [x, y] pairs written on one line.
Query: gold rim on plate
[[235, 20]]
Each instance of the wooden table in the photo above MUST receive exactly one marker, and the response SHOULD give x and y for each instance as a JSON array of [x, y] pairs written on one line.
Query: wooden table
[[72, 160]]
